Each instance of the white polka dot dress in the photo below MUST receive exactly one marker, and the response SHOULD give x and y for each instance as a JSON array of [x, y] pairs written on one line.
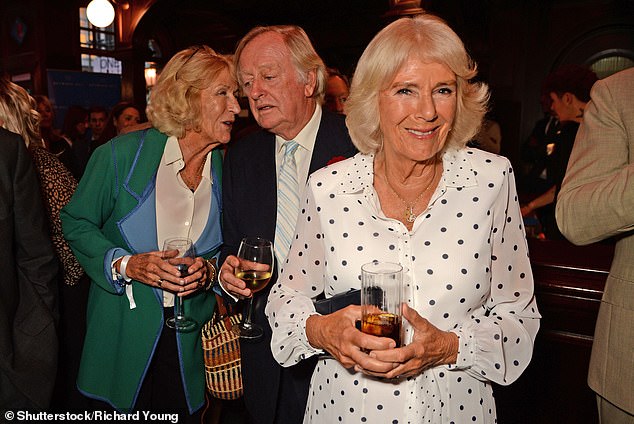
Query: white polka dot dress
[[467, 272]]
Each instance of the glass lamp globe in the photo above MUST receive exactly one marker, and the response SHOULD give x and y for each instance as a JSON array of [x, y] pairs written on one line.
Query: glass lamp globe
[[100, 13]]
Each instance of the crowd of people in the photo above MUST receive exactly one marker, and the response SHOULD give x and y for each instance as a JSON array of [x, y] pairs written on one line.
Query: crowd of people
[[566, 92], [399, 163]]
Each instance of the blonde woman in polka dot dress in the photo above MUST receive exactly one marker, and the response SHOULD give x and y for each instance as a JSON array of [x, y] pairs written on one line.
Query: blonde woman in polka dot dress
[[449, 214]]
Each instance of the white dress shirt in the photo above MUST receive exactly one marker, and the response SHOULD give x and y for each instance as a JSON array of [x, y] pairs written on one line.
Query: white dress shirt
[[306, 140], [179, 212]]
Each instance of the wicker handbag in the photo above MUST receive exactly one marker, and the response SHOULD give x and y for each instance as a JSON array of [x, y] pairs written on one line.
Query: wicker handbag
[[221, 348]]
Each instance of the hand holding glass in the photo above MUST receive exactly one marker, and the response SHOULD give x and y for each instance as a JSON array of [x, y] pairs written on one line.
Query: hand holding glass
[[183, 259], [256, 268], [381, 297]]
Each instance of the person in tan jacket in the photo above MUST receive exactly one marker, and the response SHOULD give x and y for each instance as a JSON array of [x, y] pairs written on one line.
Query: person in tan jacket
[[596, 202]]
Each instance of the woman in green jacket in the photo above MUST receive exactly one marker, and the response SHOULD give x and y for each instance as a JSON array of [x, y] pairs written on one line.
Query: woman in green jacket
[[138, 190]]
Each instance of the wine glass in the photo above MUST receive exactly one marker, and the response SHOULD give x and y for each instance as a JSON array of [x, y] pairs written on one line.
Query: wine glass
[[256, 269], [182, 260]]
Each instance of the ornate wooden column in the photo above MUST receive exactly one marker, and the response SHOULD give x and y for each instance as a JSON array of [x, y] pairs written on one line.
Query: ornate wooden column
[[128, 15], [401, 8]]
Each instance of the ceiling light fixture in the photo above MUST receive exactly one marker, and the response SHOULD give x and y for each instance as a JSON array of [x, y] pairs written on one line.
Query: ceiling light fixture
[[100, 13]]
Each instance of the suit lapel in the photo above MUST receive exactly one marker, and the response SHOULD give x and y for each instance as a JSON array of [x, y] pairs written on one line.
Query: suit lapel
[[148, 155], [259, 178], [332, 140], [140, 184], [268, 173], [322, 148]]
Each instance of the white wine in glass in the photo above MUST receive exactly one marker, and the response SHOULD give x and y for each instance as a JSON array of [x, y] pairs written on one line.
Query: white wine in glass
[[256, 268], [182, 261]]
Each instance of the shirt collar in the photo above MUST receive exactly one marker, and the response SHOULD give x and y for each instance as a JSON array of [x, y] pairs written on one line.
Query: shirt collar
[[172, 155], [172, 152], [308, 134], [457, 171]]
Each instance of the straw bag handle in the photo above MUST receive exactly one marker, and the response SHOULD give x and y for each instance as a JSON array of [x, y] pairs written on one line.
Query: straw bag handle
[[222, 311]]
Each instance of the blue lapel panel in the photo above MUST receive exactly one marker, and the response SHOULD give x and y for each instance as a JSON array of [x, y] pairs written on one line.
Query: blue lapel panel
[[138, 227], [211, 237]]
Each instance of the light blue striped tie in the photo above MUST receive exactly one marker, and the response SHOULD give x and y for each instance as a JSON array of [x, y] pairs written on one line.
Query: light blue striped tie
[[287, 202]]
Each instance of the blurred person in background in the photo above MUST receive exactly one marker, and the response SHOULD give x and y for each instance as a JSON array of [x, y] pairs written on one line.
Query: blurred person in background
[[122, 116], [337, 91], [98, 115], [75, 128], [125, 115], [52, 137], [569, 91], [533, 152]]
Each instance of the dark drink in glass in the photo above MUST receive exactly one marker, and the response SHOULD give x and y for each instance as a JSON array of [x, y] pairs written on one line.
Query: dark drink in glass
[[381, 294], [383, 325]]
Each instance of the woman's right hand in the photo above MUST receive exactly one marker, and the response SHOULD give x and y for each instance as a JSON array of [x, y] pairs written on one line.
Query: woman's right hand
[[227, 279], [336, 333], [150, 268]]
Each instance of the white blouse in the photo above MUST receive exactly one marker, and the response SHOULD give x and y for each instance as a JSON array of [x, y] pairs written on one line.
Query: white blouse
[[179, 212], [467, 271]]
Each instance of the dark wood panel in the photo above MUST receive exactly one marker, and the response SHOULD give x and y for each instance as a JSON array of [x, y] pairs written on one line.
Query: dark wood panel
[[569, 283]]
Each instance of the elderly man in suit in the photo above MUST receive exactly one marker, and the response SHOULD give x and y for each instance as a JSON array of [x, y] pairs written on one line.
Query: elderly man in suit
[[284, 80], [597, 202], [28, 287]]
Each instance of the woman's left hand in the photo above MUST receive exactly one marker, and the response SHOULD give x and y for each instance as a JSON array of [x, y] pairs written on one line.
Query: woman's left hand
[[430, 347], [156, 269], [197, 273], [197, 277]]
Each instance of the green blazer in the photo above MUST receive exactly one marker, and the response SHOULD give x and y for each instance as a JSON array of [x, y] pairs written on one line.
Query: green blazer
[[111, 214]]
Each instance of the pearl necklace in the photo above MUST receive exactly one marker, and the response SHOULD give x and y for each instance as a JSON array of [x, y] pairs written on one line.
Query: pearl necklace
[[410, 216]]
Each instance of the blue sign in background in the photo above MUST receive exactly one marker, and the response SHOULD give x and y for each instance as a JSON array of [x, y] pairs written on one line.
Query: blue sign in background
[[86, 89]]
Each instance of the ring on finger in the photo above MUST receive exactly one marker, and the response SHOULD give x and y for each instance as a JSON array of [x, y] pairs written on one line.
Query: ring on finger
[[159, 282]]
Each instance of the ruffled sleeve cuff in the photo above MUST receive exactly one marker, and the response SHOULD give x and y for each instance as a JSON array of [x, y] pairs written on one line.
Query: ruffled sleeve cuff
[[466, 349], [290, 344], [305, 345]]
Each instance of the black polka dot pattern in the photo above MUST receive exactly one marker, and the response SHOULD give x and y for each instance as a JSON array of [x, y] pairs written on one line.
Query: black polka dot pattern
[[468, 272]]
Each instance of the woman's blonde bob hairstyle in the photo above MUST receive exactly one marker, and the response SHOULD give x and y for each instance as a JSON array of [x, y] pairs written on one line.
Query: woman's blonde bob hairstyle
[[429, 39], [18, 112], [175, 107], [303, 54]]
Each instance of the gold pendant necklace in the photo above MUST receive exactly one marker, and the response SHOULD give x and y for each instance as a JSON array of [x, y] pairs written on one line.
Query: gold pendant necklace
[[194, 183], [410, 216]]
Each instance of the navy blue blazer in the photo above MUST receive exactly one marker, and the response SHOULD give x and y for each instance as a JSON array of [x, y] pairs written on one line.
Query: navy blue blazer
[[272, 394]]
